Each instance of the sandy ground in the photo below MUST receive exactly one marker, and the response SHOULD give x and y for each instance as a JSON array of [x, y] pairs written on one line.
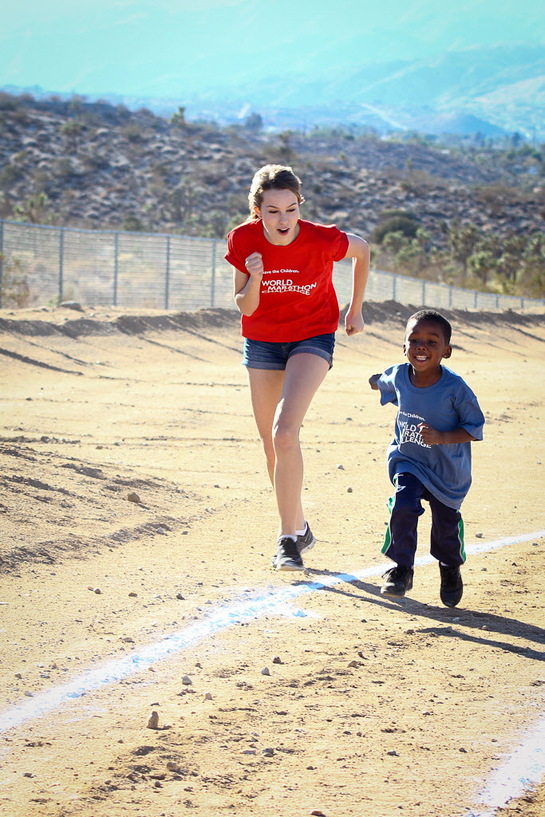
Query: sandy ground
[[135, 507]]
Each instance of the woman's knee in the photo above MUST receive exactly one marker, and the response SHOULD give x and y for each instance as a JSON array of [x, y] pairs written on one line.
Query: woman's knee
[[285, 438]]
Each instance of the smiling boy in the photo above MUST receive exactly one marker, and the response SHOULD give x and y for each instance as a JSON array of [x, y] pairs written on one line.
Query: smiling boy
[[430, 456]]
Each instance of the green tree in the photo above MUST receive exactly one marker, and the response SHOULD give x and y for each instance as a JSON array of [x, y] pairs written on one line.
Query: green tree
[[132, 224], [405, 223], [462, 241], [14, 290], [72, 131], [182, 200], [532, 272], [178, 118], [287, 154], [254, 122], [510, 261], [394, 243], [35, 209], [482, 264]]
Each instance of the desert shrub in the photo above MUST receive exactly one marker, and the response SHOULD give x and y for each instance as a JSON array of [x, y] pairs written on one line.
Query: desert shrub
[[34, 210], [420, 182], [499, 195], [384, 215], [72, 130], [9, 174], [482, 264], [7, 102], [178, 118], [132, 132], [254, 122], [462, 242], [14, 287], [132, 224], [63, 168], [404, 224], [532, 270]]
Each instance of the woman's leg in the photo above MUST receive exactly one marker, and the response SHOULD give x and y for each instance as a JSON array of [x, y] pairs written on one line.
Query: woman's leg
[[265, 390], [303, 375]]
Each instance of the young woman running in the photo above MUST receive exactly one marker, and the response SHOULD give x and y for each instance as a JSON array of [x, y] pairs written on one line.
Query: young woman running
[[284, 290]]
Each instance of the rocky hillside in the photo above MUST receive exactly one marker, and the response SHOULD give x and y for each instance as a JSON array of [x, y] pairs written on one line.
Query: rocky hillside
[[100, 166]]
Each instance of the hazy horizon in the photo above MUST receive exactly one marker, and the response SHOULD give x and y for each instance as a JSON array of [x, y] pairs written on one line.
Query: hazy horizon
[[175, 47]]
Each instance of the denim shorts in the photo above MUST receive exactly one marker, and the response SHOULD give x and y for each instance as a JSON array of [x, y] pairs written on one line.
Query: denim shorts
[[261, 354]]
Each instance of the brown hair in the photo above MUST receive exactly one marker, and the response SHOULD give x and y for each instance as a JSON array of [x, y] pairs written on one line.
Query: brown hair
[[272, 177]]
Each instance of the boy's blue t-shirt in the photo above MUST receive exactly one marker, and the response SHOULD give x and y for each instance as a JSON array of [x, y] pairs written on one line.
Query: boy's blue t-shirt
[[445, 470]]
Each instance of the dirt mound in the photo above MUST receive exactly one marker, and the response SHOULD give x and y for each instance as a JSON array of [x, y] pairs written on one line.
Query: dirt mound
[[44, 322], [58, 321]]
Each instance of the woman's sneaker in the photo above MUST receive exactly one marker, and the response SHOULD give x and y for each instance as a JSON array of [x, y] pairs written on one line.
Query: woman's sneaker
[[287, 556], [399, 579], [452, 586], [306, 541]]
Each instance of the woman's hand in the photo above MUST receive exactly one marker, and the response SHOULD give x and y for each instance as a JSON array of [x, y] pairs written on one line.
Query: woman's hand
[[353, 322], [248, 286], [254, 265]]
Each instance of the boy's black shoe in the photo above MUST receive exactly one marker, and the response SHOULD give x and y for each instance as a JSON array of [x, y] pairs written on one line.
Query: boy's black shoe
[[306, 541], [287, 555], [399, 579], [452, 586]]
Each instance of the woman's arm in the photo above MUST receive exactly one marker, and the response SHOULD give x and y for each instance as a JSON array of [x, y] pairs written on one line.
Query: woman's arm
[[358, 250], [247, 290]]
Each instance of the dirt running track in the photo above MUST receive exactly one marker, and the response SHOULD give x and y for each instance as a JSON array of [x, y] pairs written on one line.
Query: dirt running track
[[135, 506]]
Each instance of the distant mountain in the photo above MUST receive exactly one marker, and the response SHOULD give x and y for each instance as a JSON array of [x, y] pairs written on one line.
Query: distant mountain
[[495, 89], [489, 90], [101, 166]]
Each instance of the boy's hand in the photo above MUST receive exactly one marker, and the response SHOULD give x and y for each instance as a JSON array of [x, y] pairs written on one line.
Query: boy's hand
[[373, 380], [430, 435]]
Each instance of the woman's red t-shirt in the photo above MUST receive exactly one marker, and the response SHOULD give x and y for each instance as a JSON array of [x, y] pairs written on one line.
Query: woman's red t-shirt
[[297, 299]]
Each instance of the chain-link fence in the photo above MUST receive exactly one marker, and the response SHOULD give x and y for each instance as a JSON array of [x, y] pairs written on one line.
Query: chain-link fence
[[42, 265]]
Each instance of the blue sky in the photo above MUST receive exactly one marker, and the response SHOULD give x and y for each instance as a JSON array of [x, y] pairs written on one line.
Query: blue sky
[[171, 47]]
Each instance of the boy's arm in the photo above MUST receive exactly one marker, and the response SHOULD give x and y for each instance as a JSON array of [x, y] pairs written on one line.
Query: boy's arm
[[431, 436]]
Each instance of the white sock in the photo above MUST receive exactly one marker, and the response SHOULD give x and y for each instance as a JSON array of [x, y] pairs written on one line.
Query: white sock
[[302, 532]]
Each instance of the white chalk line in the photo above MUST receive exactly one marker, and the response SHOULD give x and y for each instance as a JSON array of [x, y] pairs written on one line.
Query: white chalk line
[[522, 770], [519, 773]]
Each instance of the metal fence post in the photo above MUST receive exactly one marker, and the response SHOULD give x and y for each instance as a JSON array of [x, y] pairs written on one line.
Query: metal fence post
[[424, 293], [167, 274], [394, 287], [61, 264], [213, 281], [116, 266]]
